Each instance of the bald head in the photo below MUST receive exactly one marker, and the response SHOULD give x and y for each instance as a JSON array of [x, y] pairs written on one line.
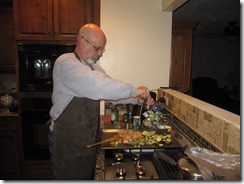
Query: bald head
[[91, 42], [93, 33]]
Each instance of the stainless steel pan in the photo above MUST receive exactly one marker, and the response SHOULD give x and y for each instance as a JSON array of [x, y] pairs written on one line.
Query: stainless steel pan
[[108, 133], [187, 168]]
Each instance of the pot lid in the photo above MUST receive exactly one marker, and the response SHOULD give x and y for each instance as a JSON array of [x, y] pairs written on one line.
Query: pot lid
[[188, 166]]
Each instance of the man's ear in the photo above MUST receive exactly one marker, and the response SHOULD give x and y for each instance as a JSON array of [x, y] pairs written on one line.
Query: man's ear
[[83, 43]]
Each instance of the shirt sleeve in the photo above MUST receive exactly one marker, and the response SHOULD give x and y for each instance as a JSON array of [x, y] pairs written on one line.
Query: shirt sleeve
[[125, 101], [77, 79]]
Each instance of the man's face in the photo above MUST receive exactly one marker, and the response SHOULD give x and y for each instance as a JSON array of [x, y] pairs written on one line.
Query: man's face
[[93, 51]]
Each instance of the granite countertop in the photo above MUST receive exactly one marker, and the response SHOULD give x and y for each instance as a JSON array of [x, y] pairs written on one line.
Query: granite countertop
[[99, 173], [105, 122]]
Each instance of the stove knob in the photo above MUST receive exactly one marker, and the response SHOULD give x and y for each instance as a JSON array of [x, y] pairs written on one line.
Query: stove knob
[[121, 171]]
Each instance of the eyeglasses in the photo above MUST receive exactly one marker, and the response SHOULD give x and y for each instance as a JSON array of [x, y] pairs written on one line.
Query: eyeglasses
[[95, 47]]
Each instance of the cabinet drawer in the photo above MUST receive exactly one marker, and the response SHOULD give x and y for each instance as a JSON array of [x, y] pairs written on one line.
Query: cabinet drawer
[[8, 123], [37, 171]]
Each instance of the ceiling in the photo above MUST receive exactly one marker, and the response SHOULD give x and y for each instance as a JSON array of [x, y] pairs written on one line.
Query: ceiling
[[212, 15]]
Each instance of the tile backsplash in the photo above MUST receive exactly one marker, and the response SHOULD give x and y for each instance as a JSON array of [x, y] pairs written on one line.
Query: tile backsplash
[[8, 83], [219, 127]]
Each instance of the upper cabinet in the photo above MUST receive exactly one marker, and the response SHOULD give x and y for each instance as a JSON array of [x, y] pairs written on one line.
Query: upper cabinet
[[180, 71], [53, 19], [8, 49]]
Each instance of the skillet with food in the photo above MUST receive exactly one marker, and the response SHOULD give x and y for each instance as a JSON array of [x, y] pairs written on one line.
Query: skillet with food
[[124, 138]]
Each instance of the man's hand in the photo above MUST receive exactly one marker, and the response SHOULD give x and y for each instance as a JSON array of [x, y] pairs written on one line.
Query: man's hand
[[150, 100], [144, 95], [142, 92]]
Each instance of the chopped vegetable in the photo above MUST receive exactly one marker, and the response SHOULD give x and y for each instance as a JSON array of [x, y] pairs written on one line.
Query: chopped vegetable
[[138, 139]]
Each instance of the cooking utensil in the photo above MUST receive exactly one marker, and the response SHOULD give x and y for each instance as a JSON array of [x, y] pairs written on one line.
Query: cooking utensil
[[146, 107], [163, 156], [188, 170], [104, 141], [140, 110]]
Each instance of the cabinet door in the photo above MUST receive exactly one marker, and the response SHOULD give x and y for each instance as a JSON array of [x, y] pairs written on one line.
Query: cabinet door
[[181, 56], [53, 19], [10, 155], [70, 15], [8, 52], [33, 19]]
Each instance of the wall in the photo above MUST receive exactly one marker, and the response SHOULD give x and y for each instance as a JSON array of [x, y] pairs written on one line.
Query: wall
[[217, 126], [138, 41]]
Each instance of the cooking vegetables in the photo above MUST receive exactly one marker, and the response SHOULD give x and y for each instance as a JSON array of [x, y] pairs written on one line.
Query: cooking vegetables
[[153, 138], [138, 139]]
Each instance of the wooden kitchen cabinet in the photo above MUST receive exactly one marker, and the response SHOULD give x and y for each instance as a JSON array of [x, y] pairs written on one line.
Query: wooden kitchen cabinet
[[8, 49], [10, 157], [53, 19], [181, 56]]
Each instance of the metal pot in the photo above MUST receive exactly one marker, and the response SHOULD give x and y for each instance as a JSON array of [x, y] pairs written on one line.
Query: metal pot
[[188, 170]]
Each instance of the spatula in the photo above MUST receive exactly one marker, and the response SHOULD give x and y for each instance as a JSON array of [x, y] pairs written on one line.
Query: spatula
[[104, 141]]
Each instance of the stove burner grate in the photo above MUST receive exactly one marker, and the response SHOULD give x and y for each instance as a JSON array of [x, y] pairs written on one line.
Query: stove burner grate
[[170, 169], [166, 170]]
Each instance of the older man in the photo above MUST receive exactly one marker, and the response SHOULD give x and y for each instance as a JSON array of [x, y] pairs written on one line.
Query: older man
[[79, 85]]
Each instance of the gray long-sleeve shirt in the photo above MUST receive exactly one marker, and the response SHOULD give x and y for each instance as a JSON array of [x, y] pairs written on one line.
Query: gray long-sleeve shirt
[[72, 77]]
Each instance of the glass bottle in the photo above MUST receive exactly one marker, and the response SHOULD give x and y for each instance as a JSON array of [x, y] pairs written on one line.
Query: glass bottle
[[114, 114], [126, 120]]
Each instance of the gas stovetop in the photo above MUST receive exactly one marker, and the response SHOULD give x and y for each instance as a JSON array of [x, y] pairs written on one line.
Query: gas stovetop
[[129, 166], [134, 165], [123, 164]]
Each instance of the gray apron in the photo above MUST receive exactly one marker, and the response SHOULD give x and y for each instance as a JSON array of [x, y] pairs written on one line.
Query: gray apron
[[76, 127]]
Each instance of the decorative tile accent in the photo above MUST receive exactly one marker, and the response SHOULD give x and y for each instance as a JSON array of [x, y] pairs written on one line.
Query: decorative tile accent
[[190, 134], [204, 122]]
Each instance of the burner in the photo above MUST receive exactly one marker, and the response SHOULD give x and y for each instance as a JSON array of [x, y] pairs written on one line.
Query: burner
[[132, 167], [121, 171], [140, 170], [118, 157]]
